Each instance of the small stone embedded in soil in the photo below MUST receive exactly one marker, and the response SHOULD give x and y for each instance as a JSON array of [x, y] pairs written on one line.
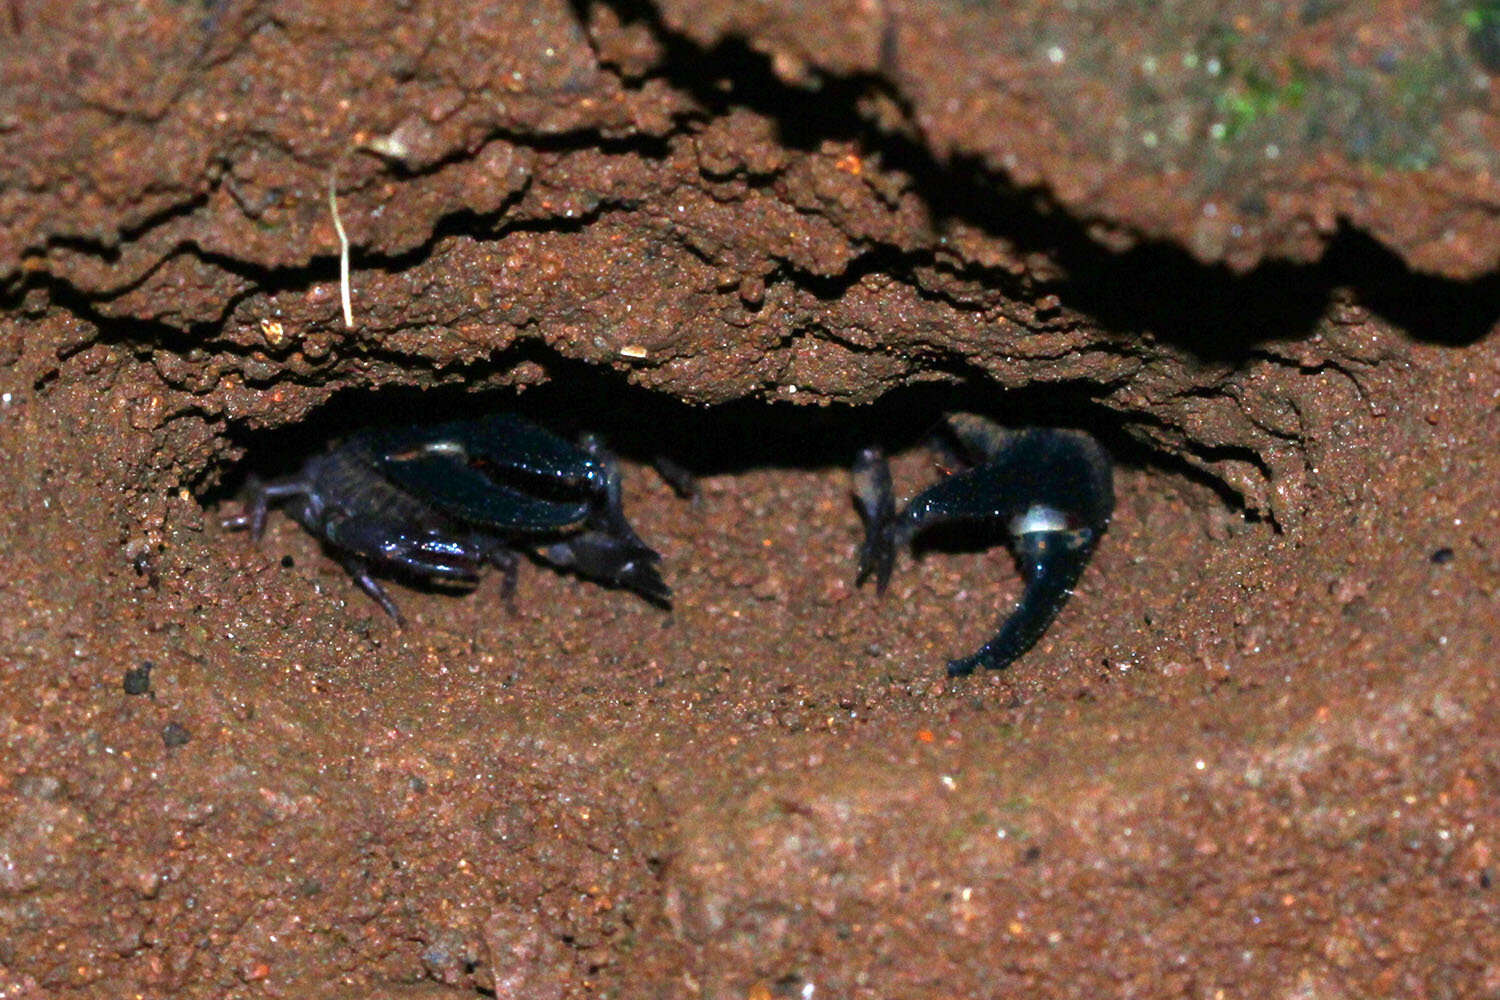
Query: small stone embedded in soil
[[450, 956], [44, 788], [1442, 556], [138, 679], [524, 959], [174, 735], [788, 987]]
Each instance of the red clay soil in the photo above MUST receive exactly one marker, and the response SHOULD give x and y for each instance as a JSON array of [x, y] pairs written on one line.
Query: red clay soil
[[1250, 247]]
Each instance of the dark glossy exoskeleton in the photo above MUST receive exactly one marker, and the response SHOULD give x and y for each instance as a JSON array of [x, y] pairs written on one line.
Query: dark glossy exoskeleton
[[1052, 490], [441, 501]]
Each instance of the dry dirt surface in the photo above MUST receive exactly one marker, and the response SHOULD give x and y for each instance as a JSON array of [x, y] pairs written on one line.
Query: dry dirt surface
[[1252, 247]]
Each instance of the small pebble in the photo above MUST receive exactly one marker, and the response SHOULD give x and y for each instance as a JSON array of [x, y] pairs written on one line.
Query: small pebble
[[174, 735], [138, 679]]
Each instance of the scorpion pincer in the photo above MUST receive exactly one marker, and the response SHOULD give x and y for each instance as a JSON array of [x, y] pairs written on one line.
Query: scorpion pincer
[[1052, 490], [441, 501]]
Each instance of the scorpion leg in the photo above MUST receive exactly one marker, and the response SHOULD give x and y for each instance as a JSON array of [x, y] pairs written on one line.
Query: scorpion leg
[[258, 502], [509, 566], [678, 476], [877, 509], [612, 514], [979, 438], [359, 569], [507, 561]]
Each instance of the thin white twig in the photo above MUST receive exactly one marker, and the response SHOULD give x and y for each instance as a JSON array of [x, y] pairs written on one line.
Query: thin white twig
[[338, 227]]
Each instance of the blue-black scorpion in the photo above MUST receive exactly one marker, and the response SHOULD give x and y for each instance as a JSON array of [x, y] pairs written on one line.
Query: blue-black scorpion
[[1052, 490], [441, 501]]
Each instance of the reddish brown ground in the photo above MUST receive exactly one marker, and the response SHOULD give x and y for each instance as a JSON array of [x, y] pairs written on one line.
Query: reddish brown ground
[[1252, 247]]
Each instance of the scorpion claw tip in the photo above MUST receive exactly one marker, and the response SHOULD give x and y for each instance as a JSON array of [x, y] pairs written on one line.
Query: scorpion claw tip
[[963, 667]]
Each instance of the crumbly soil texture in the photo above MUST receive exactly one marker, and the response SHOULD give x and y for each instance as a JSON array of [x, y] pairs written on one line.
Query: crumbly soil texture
[[1251, 247]]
